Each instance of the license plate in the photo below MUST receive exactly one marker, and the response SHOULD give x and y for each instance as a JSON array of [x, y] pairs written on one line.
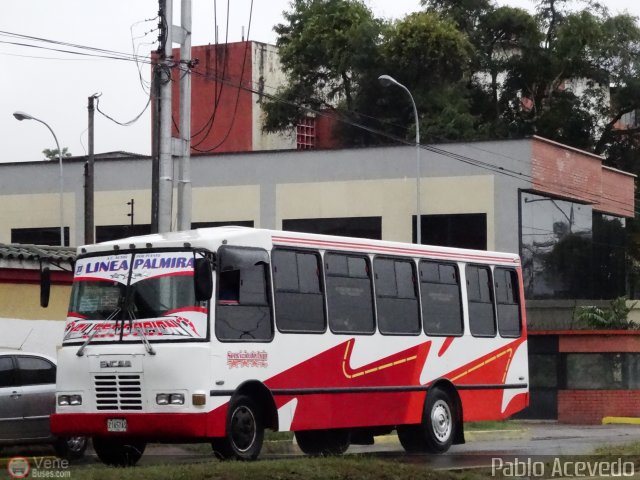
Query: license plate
[[116, 424]]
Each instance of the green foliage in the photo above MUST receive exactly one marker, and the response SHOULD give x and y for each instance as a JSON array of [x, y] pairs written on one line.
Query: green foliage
[[52, 153], [615, 317]]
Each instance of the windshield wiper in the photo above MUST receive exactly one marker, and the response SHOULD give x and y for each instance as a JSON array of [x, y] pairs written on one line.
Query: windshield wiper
[[145, 341], [80, 351]]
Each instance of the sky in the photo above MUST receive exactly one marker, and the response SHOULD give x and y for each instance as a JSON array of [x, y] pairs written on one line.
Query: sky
[[54, 86]]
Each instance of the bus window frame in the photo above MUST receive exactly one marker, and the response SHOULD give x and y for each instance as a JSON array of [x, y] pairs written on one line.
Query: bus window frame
[[514, 271], [268, 294], [369, 266], [416, 287], [323, 290], [460, 297], [492, 292]]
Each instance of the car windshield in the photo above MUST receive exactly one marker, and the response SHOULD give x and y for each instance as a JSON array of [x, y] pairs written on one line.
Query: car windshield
[[127, 296]]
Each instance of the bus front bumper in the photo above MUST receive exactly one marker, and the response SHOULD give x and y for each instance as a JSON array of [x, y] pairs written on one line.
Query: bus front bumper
[[157, 426]]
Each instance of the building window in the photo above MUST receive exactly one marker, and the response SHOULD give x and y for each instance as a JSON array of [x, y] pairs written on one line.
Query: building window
[[240, 223], [105, 233], [39, 236], [556, 241], [361, 227], [462, 230], [306, 133]]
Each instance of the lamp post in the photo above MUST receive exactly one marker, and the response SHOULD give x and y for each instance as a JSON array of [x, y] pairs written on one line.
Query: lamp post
[[385, 81], [25, 116]]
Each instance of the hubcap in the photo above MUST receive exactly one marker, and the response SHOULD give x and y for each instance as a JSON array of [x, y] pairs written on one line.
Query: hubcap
[[243, 428], [441, 420], [76, 444]]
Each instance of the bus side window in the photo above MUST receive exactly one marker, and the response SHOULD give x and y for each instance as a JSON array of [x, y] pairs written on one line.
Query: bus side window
[[349, 293], [298, 291], [398, 311], [243, 311], [441, 299], [480, 301], [508, 300]]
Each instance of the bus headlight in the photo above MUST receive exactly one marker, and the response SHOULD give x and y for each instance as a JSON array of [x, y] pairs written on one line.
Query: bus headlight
[[170, 399], [66, 400]]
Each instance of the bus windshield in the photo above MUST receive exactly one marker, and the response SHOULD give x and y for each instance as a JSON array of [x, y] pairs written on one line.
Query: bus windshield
[[125, 296]]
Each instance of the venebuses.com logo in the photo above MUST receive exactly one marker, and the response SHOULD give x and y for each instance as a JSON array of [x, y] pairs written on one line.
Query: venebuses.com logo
[[38, 467]]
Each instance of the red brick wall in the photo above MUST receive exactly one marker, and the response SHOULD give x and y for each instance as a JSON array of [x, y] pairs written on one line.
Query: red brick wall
[[599, 343], [566, 172], [590, 406], [231, 130]]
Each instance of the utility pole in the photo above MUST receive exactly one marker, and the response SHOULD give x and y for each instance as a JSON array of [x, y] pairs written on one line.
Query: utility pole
[[184, 180], [89, 183], [165, 163], [130, 214]]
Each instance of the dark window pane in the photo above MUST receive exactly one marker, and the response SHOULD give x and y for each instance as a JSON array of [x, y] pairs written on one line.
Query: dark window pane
[[35, 371], [441, 301], [7, 377], [398, 309], [39, 236], [285, 270], [385, 277], [104, 233], [543, 370], [594, 371], [361, 227], [243, 311], [299, 306], [239, 223], [479, 291], [507, 295], [462, 230], [349, 297]]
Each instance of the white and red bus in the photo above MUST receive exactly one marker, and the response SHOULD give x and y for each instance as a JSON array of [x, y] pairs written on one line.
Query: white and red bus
[[215, 335]]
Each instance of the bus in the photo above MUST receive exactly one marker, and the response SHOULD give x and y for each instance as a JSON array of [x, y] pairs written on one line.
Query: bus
[[217, 334]]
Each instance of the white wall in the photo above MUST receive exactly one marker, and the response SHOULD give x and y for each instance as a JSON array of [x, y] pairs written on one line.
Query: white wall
[[42, 336]]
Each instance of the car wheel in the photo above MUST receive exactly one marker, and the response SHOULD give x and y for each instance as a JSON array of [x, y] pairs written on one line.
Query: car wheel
[[118, 452], [71, 448]]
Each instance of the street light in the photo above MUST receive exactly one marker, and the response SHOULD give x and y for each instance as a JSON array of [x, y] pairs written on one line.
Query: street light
[[386, 81], [25, 116]]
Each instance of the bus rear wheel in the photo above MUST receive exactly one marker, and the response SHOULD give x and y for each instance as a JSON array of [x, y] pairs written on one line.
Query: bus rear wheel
[[245, 431], [118, 452], [439, 423], [324, 442]]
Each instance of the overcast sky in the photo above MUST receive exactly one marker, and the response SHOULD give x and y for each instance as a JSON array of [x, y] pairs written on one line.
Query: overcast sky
[[54, 86]]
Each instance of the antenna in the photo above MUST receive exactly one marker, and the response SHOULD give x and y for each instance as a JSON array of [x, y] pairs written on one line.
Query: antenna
[[22, 344]]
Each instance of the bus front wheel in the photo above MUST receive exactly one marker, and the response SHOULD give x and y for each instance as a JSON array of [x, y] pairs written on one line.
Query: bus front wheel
[[245, 431], [118, 452]]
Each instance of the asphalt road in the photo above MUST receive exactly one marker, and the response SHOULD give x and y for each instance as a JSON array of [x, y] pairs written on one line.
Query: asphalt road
[[531, 440]]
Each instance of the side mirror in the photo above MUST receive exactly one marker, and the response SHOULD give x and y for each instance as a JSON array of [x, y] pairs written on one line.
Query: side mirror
[[203, 279], [45, 287]]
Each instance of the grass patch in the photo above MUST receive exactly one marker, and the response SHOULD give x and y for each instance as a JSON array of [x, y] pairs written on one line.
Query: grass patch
[[619, 450], [305, 468], [492, 425]]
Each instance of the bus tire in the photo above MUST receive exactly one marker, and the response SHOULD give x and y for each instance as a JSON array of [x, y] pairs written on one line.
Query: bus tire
[[245, 431], [118, 452], [436, 432], [324, 442], [440, 421]]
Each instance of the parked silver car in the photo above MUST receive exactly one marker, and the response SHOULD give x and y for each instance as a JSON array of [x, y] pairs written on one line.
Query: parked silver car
[[27, 399]]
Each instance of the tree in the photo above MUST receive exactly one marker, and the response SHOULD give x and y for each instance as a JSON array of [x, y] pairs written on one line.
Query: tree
[[52, 153], [325, 48]]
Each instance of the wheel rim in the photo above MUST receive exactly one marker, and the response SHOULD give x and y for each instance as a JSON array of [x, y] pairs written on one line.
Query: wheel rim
[[76, 444], [441, 420], [243, 428]]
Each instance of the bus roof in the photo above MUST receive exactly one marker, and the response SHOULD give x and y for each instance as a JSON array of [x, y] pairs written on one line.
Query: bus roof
[[212, 237]]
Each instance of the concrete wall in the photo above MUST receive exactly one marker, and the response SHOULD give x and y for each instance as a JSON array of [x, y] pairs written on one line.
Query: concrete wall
[[38, 336]]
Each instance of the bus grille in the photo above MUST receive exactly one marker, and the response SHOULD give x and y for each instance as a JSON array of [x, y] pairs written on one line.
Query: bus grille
[[118, 392]]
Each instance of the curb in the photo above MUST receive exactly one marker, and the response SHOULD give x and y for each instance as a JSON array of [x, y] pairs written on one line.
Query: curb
[[621, 421]]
